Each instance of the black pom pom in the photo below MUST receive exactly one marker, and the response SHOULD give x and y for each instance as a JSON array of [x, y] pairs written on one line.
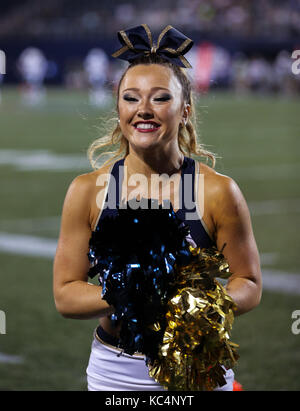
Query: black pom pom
[[135, 256]]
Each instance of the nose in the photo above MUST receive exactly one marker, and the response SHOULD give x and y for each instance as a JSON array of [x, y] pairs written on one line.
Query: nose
[[144, 111]]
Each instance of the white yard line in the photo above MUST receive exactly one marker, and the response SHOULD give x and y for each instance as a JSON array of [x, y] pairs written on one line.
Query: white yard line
[[280, 281], [31, 160], [10, 359], [27, 245], [44, 247], [257, 208]]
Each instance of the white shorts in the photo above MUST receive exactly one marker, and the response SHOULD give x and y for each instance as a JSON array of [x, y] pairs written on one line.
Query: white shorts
[[107, 371]]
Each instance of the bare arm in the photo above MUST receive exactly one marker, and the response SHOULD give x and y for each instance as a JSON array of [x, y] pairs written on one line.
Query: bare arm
[[233, 226], [74, 296]]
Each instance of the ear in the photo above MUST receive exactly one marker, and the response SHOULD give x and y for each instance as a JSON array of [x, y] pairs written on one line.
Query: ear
[[186, 113]]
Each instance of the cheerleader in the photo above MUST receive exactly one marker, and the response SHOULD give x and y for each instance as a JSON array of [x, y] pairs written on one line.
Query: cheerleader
[[156, 137]]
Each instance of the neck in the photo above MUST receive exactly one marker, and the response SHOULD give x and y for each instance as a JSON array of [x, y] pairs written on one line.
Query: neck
[[154, 163]]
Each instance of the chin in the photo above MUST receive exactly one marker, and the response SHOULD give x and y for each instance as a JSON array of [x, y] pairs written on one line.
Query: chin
[[144, 143]]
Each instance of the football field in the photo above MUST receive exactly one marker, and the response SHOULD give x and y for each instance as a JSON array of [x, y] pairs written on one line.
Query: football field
[[43, 148]]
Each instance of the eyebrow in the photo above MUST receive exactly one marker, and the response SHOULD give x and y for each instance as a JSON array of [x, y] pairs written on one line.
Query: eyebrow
[[152, 89]]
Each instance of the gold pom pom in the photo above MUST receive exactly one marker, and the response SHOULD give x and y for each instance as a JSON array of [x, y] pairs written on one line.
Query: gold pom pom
[[196, 348]]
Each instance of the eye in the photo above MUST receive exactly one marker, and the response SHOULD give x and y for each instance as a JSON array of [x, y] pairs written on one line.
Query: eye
[[127, 97], [165, 97]]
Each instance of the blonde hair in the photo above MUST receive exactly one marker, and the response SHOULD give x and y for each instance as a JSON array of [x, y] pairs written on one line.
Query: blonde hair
[[187, 136]]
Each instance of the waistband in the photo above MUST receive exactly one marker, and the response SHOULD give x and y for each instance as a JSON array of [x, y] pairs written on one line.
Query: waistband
[[107, 338], [113, 342]]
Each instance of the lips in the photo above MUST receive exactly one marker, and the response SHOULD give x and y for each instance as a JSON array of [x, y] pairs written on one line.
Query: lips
[[146, 126]]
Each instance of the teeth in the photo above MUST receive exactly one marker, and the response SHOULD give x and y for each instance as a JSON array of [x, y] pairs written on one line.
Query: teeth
[[145, 126]]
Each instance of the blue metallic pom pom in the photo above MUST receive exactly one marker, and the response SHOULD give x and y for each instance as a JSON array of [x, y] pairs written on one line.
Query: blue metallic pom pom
[[135, 256]]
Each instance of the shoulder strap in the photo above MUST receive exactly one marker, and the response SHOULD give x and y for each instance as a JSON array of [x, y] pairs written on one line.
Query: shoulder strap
[[118, 174], [113, 195], [187, 184]]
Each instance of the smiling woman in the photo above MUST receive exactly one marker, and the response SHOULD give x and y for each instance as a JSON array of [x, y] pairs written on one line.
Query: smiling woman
[[160, 96], [152, 111], [156, 137]]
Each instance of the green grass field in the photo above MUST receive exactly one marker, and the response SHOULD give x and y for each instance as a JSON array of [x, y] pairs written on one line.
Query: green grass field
[[258, 141]]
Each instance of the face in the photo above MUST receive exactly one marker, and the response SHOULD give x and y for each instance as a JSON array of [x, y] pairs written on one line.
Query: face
[[150, 106]]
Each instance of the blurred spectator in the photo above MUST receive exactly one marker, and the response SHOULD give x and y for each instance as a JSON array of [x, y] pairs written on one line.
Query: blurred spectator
[[243, 26], [70, 18], [32, 66], [96, 66], [74, 76], [284, 80], [1, 80], [211, 67], [259, 74], [239, 73]]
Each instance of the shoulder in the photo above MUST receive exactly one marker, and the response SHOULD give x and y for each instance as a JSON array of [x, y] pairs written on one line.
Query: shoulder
[[87, 192], [221, 192], [217, 183], [87, 182], [83, 188]]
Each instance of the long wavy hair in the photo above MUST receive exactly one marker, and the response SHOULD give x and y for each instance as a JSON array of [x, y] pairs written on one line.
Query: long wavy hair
[[188, 142]]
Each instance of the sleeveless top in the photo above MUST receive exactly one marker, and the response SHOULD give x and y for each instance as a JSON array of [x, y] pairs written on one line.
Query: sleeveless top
[[187, 212]]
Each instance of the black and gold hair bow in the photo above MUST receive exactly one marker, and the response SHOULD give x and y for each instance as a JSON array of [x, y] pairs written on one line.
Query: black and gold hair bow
[[137, 42]]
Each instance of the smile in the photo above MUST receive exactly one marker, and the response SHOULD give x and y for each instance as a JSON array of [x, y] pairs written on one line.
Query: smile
[[146, 127]]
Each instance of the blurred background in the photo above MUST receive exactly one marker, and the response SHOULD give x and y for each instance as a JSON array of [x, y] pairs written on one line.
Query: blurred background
[[57, 89]]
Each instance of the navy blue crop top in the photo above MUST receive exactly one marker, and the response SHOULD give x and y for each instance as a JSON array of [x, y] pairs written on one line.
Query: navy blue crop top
[[187, 210]]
